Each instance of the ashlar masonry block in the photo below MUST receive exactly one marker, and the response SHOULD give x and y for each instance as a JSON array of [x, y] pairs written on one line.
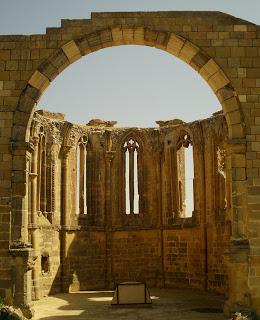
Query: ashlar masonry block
[[117, 35], [39, 81], [175, 44], [237, 131], [238, 160], [94, 41], [139, 35], [240, 27], [218, 80], [209, 69], [106, 38], [233, 117], [230, 105], [188, 51], [72, 51], [128, 35], [150, 37]]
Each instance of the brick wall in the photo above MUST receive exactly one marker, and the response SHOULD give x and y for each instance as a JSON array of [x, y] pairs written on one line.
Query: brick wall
[[184, 258], [86, 260], [137, 256]]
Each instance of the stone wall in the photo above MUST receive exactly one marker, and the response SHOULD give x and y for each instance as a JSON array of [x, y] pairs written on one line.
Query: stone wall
[[137, 256], [49, 243], [184, 258], [103, 245], [85, 264]]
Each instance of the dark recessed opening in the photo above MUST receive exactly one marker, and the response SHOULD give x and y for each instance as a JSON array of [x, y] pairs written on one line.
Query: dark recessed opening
[[45, 263]]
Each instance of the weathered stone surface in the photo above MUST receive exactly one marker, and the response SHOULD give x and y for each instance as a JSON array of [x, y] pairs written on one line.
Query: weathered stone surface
[[72, 51], [173, 122], [51, 115], [101, 123], [135, 239], [224, 50], [39, 81]]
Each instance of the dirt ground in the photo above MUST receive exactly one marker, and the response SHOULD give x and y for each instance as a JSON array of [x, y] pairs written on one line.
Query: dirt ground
[[96, 305]]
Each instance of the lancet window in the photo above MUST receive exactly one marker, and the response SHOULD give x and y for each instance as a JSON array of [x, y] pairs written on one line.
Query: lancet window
[[131, 176], [221, 201], [44, 203], [185, 176], [82, 176], [42, 173]]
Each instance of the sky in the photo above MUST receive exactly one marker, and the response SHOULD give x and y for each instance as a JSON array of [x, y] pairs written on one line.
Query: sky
[[134, 85]]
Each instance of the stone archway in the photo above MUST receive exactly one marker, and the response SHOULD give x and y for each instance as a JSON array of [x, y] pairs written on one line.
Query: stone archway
[[176, 45], [191, 37]]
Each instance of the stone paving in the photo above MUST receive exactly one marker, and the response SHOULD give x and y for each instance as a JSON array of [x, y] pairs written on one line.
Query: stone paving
[[95, 305]]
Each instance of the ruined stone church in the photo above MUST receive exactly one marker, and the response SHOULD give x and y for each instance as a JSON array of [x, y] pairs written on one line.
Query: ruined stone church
[[87, 206]]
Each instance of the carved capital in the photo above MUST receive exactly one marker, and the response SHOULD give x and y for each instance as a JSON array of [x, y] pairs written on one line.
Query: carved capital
[[66, 152]]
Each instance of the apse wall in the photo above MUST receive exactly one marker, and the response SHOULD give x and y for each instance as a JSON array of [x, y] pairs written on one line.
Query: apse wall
[[97, 245]]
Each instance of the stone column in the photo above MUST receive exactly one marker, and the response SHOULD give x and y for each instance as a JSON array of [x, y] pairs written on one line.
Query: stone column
[[172, 154], [199, 183], [39, 164], [160, 158], [20, 181], [65, 187], [52, 185], [44, 181], [239, 256], [65, 217], [82, 185], [237, 187], [131, 178], [108, 221], [23, 261], [207, 222], [34, 220]]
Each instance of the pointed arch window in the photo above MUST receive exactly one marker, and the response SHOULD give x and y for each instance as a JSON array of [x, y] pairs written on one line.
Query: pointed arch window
[[42, 173], [131, 176], [185, 175], [221, 197], [82, 176], [44, 198]]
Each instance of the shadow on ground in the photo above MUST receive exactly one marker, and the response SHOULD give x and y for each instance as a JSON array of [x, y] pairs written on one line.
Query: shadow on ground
[[167, 304]]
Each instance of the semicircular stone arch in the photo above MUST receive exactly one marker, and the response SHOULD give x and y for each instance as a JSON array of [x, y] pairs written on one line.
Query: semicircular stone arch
[[170, 42]]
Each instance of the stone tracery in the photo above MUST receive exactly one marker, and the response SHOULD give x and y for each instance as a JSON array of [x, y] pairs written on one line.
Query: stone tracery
[[132, 176], [76, 179]]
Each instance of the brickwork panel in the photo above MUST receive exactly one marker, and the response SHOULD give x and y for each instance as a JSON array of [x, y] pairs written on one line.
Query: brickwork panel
[[85, 261], [137, 257], [184, 258]]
